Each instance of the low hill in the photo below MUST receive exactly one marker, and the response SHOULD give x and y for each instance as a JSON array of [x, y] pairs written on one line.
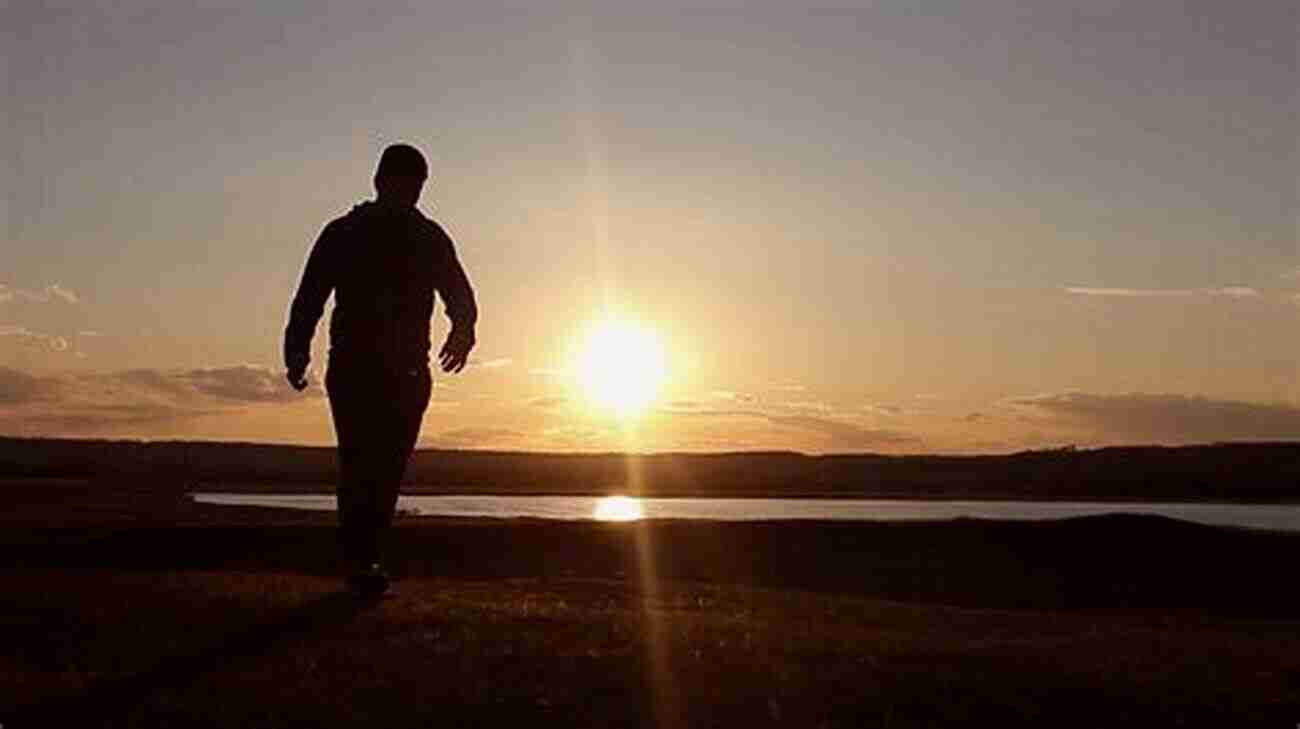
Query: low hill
[[1242, 472]]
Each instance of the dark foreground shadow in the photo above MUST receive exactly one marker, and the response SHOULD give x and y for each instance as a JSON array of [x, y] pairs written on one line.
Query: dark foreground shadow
[[1106, 562], [110, 701]]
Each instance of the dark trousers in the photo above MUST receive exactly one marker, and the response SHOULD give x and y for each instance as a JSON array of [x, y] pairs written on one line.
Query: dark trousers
[[377, 417]]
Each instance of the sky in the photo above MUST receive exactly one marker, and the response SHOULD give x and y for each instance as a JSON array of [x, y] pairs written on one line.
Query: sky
[[873, 226]]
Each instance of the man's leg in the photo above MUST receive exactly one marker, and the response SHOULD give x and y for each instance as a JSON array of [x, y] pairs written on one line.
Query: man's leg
[[377, 419], [355, 487], [409, 400]]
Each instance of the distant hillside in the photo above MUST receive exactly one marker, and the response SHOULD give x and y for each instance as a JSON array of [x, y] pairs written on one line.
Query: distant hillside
[[1255, 472]]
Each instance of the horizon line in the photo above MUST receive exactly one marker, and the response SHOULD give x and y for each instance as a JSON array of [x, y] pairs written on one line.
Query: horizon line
[[1065, 448]]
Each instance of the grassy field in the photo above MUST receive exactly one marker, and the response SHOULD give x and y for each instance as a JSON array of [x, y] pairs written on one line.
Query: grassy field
[[139, 610]]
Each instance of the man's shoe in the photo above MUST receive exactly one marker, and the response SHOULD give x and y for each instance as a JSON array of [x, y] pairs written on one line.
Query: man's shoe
[[369, 581]]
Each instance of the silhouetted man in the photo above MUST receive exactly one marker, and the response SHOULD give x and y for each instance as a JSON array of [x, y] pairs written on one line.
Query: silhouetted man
[[383, 261]]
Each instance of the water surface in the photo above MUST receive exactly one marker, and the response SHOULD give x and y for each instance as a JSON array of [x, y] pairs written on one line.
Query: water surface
[[1261, 516]]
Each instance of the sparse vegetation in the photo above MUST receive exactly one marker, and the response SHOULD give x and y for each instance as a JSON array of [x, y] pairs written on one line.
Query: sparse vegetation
[[152, 611]]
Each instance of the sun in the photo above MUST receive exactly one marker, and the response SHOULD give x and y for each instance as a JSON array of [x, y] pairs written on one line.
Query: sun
[[620, 367]]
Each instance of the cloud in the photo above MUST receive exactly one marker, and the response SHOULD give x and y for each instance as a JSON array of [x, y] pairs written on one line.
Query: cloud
[[815, 406], [1233, 292], [58, 291], [731, 396], [235, 384], [888, 411], [160, 381], [114, 402], [242, 383], [837, 434], [89, 404], [845, 435], [578, 435], [473, 437], [93, 419], [1170, 418], [39, 296], [19, 387], [53, 342], [1127, 293], [548, 402], [492, 364], [680, 405]]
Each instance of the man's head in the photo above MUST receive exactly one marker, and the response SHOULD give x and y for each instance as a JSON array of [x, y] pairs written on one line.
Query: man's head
[[401, 174]]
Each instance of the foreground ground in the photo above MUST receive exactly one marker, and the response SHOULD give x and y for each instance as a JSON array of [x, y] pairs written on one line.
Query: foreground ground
[[137, 609]]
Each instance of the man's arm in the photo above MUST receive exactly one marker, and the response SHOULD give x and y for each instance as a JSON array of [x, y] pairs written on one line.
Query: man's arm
[[461, 309], [318, 279]]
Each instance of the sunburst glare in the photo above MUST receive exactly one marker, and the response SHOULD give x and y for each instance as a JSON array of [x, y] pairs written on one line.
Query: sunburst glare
[[620, 367], [618, 508]]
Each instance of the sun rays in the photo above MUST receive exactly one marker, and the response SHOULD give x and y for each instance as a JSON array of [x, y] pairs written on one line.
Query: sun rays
[[619, 367]]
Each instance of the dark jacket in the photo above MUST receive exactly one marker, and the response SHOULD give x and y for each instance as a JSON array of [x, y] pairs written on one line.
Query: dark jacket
[[383, 263]]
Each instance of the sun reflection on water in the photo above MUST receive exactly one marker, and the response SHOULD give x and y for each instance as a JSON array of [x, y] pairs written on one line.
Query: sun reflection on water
[[618, 508]]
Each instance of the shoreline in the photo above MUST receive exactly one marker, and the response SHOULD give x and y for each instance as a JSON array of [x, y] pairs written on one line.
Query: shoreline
[[1158, 560], [189, 487]]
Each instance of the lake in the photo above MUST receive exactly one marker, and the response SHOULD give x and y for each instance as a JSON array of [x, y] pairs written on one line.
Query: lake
[[1284, 517]]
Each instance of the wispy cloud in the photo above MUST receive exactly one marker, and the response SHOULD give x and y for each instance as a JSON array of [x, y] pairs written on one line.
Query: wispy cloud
[[473, 437], [18, 387], [60, 292], [1170, 418], [682, 406], [108, 402], [53, 342], [1234, 292], [732, 396], [888, 411], [548, 402], [812, 406], [492, 364], [39, 296], [241, 383], [837, 434]]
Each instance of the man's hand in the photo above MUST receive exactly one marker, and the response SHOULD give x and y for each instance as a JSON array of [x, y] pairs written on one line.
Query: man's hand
[[296, 373], [455, 351]]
